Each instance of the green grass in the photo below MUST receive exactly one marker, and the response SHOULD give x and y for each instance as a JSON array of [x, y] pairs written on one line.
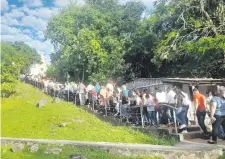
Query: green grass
[[22, 119], [222, 157], [89, 153]]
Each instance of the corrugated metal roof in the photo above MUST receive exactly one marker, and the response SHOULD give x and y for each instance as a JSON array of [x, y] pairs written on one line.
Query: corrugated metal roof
[[194, 81]]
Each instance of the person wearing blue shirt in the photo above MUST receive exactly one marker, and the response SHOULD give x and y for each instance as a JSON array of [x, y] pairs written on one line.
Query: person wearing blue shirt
[[217, 113], [125, 91], [97, 88]]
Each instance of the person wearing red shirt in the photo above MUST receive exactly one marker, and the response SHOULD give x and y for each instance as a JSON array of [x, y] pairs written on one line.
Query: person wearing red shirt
[[157, 111], [200, 109]]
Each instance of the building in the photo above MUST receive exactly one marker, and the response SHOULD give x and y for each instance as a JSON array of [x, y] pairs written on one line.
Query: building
[[39, 70]]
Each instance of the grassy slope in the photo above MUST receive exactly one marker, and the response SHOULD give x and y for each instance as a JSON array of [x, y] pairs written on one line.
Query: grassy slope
[[89, 153], [22, 119]]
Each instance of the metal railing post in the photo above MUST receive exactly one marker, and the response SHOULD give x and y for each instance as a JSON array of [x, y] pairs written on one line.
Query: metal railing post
[[69, 95], [120, 109], [75, 102], [175, 121], [142, 118], [105, 108]]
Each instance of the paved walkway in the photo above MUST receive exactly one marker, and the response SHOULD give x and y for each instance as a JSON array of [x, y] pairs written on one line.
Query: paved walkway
[[220, 142], [182, 150], [182, 146]]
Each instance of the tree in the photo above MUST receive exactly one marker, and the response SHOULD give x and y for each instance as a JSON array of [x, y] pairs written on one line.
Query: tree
[[189, 32], [14, 58], [90, 40]]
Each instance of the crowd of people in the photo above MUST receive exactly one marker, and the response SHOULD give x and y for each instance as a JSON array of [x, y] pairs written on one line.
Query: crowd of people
[[148, 106]]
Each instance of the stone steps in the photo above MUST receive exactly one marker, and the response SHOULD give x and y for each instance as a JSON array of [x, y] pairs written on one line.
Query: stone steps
[[194, 131]]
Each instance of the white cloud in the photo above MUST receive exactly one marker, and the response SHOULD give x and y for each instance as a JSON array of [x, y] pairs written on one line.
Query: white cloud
[[40, 35], [15, 13], [27, 24], [64, 3], [32, 3], [44, 13], [5, 29], [148, 3], [34, 22], [9, 20], [40, 46], [13, 34], [4, 5], [16, 37]]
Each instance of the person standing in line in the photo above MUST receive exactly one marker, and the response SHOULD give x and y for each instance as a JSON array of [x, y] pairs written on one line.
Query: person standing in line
[[89, 89], [181, 110], [139, 103], [97, 88], [171, 101], [217, 113], [200, 110], [150, 109], [81, 91], [186, 104], [103, 95], [125, 91], [161, 98], [109, 89], [144, 104], [158, 112]]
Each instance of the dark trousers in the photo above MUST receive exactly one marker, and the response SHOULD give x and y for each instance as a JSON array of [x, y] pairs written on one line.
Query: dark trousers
[[158, 115], [201, 120], [152, 118], [220, 120]]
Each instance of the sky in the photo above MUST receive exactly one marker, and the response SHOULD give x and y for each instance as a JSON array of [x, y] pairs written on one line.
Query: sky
[[26, 20]]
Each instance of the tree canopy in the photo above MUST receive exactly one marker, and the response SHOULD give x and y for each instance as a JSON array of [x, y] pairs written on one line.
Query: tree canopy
[[16, 58], [107, 39]]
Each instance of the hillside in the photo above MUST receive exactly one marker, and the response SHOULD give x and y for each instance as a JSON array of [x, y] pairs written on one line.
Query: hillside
[[22, 119]]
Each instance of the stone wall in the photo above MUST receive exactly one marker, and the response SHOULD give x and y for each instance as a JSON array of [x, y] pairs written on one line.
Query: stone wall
[[182, 151]]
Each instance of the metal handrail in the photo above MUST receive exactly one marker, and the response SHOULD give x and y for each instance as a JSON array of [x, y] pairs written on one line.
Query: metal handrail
[[141, 107], [160, 104], [148, 86]]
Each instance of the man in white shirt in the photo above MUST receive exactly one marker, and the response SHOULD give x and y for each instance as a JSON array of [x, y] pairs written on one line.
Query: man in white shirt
[[171, 101], [109, 89], [81, 91], [186, 104], [89, 89], [170, 97], [161, 96]]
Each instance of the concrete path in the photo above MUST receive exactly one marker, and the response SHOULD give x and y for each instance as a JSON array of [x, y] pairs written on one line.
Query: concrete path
[[182, 150]]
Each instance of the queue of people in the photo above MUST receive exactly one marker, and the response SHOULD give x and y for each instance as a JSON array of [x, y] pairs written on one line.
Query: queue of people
[[130, 103]]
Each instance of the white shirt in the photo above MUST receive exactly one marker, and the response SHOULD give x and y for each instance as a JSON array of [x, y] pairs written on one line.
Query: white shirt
[[208, 99], [161, 97], [186, 100], [138, 100], [144, 100], [170, 97], [109, 89], [90, 88], [81, 88]]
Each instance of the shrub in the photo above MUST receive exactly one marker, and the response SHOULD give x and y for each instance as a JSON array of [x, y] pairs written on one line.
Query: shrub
[[7, 89]]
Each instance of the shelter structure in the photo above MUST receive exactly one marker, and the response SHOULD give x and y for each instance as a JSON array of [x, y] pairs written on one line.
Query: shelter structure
[[187, 84]]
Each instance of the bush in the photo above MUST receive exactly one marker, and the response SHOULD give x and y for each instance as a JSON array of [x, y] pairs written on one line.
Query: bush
[[7, 89]]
